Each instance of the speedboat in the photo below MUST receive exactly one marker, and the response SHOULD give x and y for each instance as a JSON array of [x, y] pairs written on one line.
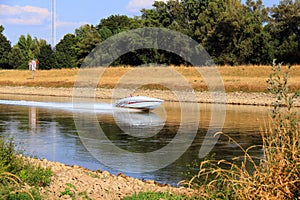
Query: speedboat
[[139, 102]]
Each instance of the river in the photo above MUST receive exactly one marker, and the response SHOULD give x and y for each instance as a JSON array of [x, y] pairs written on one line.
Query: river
[[156, 145]]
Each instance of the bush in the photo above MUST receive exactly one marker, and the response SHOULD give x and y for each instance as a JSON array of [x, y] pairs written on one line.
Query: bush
[[19, 179]]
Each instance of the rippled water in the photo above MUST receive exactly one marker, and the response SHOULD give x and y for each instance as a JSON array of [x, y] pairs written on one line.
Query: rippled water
[[129, 141]]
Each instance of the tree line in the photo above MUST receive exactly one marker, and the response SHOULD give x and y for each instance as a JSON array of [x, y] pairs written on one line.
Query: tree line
[[233, 33]]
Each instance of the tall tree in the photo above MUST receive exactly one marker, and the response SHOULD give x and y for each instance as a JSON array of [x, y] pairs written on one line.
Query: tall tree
[[159, 16], [88, 38], [25, 45], [115, 24], [284, 26], [5, 48], [16, 58], [237, 35], [66, 52], [46, 57], [36, 45]]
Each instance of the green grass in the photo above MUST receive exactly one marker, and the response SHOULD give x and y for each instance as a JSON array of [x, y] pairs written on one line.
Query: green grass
[[19, 179], [158, 196]]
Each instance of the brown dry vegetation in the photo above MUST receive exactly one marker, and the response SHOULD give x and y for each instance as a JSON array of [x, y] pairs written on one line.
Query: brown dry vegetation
[[241, 78]]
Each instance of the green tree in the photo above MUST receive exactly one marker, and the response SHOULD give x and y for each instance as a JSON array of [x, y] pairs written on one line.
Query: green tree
[[25, 45], [159, 16], [46, 57], [16, 58], [115, 24], [118, 23], [105, 33], [284, 26], [36, 45], [29, 48], [66, 52], [5, 48], [237, 35], [88, 38]]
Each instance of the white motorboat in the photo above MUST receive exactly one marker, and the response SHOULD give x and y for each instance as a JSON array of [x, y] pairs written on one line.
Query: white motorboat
[[139, 102]]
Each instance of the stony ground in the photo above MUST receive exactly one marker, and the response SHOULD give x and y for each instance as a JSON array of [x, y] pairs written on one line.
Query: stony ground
[[81, 183], [241, 98]]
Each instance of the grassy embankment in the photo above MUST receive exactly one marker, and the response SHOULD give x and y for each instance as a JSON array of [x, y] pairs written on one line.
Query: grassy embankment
[[240, 78], [19, 179]]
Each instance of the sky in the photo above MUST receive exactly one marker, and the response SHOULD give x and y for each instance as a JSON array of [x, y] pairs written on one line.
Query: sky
[[34, 17]]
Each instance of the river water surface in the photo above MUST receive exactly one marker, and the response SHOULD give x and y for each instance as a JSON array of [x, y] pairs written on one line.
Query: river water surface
[[44, 127]]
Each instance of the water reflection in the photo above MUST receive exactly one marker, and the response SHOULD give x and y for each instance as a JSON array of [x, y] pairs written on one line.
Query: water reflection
[[140, 125], [32, 119], [52, 134]]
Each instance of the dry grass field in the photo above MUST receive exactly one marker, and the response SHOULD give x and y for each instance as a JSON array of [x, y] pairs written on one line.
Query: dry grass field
[[240, 78]]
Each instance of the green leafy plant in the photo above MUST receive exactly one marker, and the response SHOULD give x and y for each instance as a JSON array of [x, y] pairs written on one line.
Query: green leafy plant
[[158, 196], [70, 190], [19, 179], [13, 188]]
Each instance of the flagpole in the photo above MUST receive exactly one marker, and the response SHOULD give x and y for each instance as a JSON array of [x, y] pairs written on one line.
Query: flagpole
[[53, 23]]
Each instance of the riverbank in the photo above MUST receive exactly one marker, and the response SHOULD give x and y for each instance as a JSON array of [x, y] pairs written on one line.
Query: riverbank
[[235, 98], [81, 183]]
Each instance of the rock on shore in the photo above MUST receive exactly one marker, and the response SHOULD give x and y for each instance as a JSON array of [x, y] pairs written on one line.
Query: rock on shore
[[239, 98], [83, 183]]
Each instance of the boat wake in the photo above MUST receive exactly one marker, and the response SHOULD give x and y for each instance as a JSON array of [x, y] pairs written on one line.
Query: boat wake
[[104, 108], [128, 119]]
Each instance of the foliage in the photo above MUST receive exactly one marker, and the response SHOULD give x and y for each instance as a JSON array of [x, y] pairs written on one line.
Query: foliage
[[5, 48], [46, 58], [276, 175], [66, 52], [19, 179], [284, 26], [158, 196], [24, 51], [16, 58], [71, 191], [233, 33]]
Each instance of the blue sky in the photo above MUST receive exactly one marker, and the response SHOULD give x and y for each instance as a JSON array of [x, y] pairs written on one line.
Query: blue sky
[[22, 17]]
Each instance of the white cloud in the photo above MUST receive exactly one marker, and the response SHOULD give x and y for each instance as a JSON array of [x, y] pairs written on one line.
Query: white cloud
[[69, 24], [24, 15], [137, 5]]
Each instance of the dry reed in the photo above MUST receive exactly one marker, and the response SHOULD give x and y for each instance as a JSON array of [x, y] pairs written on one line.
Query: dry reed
[[277, 174]]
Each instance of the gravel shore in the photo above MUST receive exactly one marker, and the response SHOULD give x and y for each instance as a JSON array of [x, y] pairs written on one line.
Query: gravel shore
[[84, 184], [239, 98]]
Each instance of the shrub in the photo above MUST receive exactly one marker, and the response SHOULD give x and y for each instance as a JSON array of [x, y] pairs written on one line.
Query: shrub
[[19, 179]]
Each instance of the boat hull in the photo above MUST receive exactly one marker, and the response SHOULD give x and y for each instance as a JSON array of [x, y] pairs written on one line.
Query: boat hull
[[139, 102]]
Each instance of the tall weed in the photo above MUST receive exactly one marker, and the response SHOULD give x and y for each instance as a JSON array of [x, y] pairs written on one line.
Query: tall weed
[[19, 179], [277, 174]]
